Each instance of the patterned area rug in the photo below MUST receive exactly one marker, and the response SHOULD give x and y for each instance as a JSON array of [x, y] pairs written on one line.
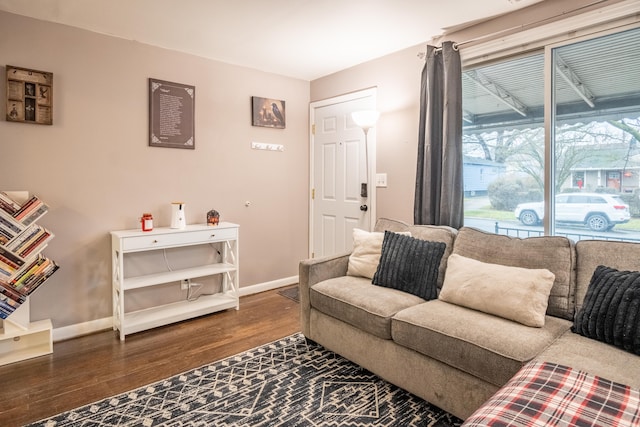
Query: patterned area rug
[[288, 382]]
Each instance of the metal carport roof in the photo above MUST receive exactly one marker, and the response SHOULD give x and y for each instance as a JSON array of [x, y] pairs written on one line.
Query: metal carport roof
[[601, 81]]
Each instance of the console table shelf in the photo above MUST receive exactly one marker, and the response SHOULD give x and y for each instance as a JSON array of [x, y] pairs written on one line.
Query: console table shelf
[[141, 320], [127, 242], [176, 275]]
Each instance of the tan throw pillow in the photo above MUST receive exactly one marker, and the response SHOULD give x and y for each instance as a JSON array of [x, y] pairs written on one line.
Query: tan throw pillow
[[365, 257], [518, 294]]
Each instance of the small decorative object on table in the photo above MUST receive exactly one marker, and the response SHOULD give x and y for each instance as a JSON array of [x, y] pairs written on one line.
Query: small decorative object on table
[[213, 217], [147, 222], [177, 215]]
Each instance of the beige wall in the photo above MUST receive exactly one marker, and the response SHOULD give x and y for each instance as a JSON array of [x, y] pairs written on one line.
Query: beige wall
[[94, 167]]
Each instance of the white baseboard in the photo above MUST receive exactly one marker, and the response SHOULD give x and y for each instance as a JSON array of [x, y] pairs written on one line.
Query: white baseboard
[[79, 329], [267, 286]]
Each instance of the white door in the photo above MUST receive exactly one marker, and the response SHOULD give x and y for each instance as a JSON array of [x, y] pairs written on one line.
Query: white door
[[339, 203]]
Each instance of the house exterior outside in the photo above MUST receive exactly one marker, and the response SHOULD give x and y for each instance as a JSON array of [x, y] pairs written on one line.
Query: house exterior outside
[[617, 168], [479, 173]]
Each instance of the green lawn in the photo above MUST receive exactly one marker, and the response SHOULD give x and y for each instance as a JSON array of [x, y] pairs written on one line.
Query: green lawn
[[633, 225], [491, 214]]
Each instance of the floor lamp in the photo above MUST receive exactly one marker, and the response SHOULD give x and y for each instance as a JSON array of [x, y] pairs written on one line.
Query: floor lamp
[[365, 120]]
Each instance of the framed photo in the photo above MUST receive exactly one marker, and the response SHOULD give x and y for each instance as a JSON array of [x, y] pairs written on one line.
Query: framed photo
[[267, 112], [29, 96], [171, 114]]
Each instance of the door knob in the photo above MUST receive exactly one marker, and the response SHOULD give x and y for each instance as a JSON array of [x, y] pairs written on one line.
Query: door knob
[[364, 208]]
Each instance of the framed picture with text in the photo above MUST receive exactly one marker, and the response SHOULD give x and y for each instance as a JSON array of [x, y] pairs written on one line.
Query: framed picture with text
[[171, 114]]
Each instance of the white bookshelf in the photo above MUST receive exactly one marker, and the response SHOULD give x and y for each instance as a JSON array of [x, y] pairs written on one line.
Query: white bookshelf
[[20, 338]]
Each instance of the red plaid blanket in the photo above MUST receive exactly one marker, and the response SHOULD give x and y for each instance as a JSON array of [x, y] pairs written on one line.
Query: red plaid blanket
[[546, 394]]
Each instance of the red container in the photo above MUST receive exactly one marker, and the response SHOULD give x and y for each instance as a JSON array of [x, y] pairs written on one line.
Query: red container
[[146, 222]]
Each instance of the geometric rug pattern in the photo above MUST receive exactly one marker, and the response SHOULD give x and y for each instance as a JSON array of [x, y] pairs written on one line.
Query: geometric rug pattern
[[288, 382]]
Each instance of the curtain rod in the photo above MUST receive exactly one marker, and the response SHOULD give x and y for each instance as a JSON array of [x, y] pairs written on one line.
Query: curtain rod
[[456, 46]]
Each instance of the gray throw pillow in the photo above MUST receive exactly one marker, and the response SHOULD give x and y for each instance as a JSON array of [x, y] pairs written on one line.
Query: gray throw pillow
[[410, 265], [611, 309]]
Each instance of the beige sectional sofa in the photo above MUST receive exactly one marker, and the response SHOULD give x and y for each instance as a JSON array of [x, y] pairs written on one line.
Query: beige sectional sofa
[[450, 355]]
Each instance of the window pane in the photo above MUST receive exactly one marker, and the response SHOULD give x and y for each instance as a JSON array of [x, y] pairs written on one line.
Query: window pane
[[596, 131], [503, 145]]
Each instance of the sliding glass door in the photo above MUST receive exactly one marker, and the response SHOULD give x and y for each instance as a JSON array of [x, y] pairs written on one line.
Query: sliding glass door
[[551, 141]]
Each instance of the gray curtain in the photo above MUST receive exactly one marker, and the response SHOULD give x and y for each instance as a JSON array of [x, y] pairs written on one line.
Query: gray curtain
[[439, 186]]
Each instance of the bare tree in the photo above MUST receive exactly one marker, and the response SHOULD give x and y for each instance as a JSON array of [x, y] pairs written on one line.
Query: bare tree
[[523, 149]]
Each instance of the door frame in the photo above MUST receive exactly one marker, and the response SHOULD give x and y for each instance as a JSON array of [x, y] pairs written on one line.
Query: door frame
[[371, 137]]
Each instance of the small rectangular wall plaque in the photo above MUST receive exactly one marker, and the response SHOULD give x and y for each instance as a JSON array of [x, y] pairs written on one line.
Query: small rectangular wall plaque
[[29, 96]]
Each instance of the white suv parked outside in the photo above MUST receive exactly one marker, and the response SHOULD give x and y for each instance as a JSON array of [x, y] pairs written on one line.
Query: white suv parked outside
[[598, 211]]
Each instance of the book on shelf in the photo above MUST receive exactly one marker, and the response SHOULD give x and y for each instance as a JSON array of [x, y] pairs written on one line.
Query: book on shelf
[[32, 238], [5, 270], [8, 204], [8, 265], [10, 258], [4, 236], [34, 281], [10, 292], [33, 209], [13, 292], [27, 207], [23, 214], [34, 214], [7, 306], [38, 242], [9, 223]]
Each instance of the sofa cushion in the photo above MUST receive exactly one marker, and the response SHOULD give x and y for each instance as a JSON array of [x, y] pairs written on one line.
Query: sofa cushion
[[410, 265], [611, 309], [483, 345], [365, 256], [356, 301], [592, 253], [594, 357], [554, 253], [518, 294], [434, 233]]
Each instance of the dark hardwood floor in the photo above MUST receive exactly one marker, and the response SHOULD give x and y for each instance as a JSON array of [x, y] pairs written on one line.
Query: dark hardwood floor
[[89, 368]]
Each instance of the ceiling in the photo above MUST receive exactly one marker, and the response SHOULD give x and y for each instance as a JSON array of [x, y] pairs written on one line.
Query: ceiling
[[304, 39]]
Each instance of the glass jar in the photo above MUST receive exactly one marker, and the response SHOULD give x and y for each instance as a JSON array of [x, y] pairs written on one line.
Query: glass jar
[[147, 222]]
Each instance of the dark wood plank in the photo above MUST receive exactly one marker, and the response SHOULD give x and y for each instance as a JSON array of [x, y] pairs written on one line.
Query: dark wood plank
[[85, 369]]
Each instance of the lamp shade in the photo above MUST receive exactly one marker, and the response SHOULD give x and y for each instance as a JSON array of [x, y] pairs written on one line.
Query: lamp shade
[[365, 119]]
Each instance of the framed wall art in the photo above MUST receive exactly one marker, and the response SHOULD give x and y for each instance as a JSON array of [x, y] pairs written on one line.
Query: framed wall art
[[171, 114], [29, 96], [267, 112]]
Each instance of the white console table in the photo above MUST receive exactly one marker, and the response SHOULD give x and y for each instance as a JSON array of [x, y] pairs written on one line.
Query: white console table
[[131, 241]]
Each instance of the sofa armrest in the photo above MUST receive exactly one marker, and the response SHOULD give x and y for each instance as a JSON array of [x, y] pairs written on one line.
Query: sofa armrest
[[315, 270]]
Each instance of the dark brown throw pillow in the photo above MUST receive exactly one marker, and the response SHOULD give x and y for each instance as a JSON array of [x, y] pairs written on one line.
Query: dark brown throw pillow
[[410, 265], [611, 309]]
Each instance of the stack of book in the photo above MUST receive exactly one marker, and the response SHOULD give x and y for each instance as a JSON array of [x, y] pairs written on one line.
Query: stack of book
[[22, 267]]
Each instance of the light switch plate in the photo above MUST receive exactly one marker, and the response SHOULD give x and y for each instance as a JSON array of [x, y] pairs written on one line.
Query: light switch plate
[[381, 180]]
